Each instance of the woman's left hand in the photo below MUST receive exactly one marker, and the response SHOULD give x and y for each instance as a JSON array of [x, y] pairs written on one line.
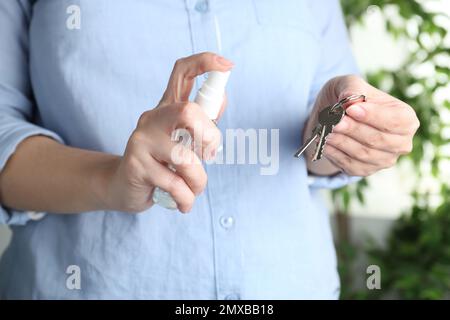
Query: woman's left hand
[[373, 134]]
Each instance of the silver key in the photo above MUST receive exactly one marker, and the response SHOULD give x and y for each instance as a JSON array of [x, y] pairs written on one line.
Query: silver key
[[320, 131], [311, 139], [328, 118], [317, 132]]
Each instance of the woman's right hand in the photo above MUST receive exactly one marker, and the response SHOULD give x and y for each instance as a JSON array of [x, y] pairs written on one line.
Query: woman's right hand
[[129, 183]]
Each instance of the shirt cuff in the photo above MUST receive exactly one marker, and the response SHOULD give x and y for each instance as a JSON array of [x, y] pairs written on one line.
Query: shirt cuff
[[19, 218], [331, 182], [8, 145]]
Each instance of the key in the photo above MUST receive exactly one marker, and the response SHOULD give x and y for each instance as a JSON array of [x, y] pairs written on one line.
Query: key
[[314, 135], [328, 118], [317, 132], [320, 131]]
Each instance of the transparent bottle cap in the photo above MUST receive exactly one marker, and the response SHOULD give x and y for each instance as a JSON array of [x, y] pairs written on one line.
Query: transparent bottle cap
[[164, 199]]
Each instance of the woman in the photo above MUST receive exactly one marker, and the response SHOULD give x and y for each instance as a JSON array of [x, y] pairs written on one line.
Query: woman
[[85, 139]]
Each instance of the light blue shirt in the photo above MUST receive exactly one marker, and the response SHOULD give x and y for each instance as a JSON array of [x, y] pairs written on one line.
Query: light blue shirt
[[249, 236]]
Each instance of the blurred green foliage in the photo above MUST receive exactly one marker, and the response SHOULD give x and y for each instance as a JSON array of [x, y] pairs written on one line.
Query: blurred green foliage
[[416, 260]]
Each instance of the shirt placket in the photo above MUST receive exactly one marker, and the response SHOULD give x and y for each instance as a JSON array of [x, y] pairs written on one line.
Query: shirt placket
[[205, 36]]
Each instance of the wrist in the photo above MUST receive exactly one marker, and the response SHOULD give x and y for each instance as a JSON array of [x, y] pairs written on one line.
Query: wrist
[[102, 181], [323, 168]]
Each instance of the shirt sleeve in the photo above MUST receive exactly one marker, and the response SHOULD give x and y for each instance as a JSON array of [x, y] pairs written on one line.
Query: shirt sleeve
[[17, 107], [336, 59]]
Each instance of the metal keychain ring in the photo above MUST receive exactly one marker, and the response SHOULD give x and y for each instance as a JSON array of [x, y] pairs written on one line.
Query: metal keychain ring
[[351, 98]]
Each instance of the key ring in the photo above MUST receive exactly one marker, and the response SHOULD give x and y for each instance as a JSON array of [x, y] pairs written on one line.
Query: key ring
[[351, 98]]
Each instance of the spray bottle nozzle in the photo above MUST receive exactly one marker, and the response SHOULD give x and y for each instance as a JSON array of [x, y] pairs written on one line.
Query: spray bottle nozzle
[[211, 94]]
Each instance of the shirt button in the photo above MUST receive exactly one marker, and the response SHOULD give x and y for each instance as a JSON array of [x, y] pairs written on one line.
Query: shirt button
[[232, 296], [202, 6], [227, 222]]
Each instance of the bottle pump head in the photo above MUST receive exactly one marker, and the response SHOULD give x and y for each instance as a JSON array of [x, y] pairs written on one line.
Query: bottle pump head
[[211, 94]]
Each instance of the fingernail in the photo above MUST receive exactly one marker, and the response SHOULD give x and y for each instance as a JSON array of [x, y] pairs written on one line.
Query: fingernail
[[225, 62], [356, 111]]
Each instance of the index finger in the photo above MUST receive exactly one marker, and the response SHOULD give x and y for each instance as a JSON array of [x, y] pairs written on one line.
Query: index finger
[[387, 118], [186, 69]]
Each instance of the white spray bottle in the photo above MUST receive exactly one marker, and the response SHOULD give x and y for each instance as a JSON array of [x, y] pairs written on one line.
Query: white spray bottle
[[209, 98]]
